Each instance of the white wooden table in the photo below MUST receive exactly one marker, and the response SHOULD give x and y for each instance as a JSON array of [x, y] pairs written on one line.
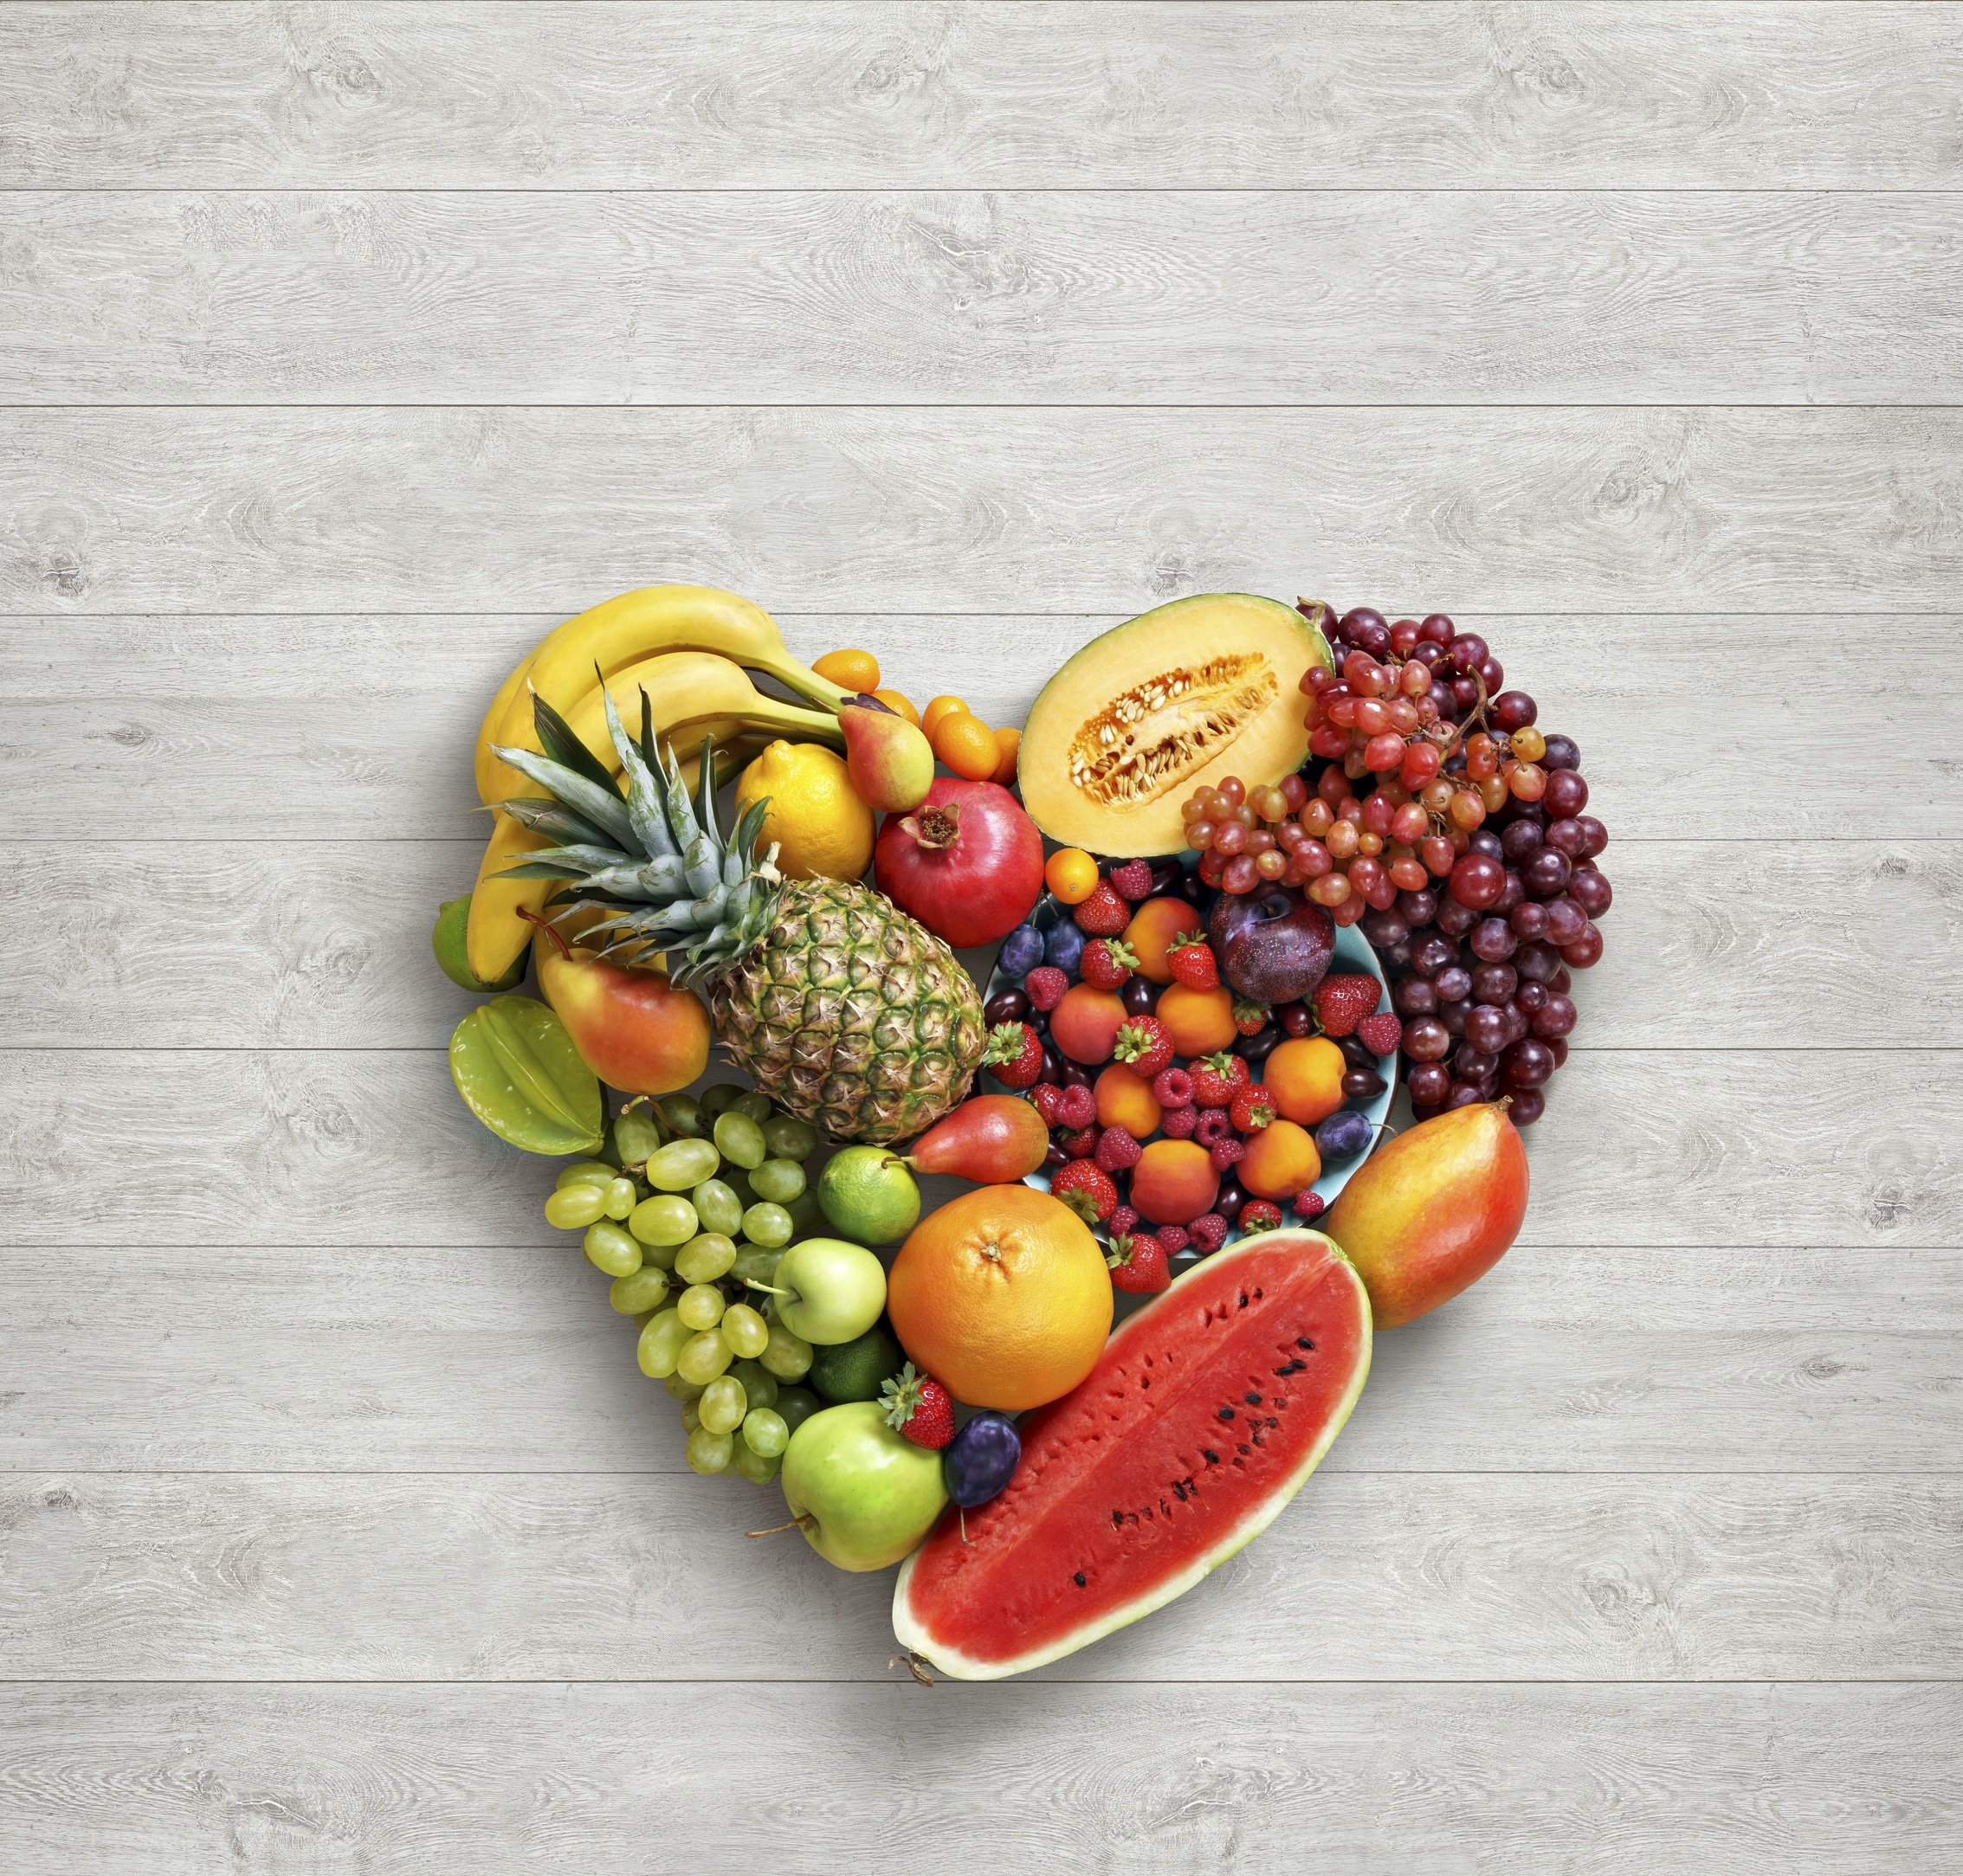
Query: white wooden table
[[344, 349]]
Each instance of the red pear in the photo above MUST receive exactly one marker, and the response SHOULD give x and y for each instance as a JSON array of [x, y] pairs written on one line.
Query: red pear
[[632, 1027], [890, 761], [994, 1140]]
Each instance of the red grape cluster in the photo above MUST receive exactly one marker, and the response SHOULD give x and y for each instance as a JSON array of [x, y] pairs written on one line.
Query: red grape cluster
[[1471, 868]]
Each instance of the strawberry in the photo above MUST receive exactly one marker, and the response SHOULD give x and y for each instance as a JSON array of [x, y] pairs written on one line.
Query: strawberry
[[1382, 1035], [1252, 1109], [1138, 1265], [1209, 1231], [1087, 1190], [1044, 1097], [1250, 1018], [1173, 1239], [918, 1409], [1045, 985], [1191, 960], [1144, 1045], [1178, 1123], [1227, 1154], [1076, 1109], [1308, 1206], [1342, 1003], [1118, 1149], [1014, 1055], [1122, 1222], [1259, 1214], [1107, 963], [1081, 1143], [1104, 914], [1172, 1087], [1217, 1079], [1133, 879]]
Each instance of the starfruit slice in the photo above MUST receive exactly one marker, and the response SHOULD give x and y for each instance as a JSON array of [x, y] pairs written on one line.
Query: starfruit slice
[[517, 1072]]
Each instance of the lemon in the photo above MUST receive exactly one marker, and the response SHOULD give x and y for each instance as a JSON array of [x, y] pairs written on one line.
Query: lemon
[[823, 830]]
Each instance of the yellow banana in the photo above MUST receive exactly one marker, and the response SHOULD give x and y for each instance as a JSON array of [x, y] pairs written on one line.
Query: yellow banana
[[489, 766], [693, 695], [622, 631]]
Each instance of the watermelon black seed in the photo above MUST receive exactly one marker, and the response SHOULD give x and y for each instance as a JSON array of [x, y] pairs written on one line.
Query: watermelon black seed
[[1212, 1458], [1252, 1400], [1145, 1380], [1226, 1413], [1302, 1342], [1272, 1421], [1178, 1491], [1080, 1579]]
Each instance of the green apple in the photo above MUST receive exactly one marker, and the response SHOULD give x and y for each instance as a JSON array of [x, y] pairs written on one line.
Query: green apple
[[828, 1291], [861, 1494]]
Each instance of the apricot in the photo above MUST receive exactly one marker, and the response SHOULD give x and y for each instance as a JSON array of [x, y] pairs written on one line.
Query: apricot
[[1153, 926], [1085, 1024], [1126, 1101], [1175, 1182], [1281, 1161], [1305, 1077], [1201, 1022]]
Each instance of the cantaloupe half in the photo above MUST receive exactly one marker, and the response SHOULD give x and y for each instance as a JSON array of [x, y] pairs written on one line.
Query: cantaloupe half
[[1184, 695]]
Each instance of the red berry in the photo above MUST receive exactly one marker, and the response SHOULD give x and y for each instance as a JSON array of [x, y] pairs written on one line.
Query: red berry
[[1077, 1108], [1227, 1153], [1121, 1222], [1178, 1123], [1259, 1214], [1214, 1123], [1138, 1265], [1133, 879], [1087, 1190], [1250, 1018], [1308, 1205], [1044, 1097], [1104, 914], [1118, 1149], [1014, 1056], [1172, 1087], [1173, 1239], [1081, 1143], [1144, 1045], [918, 1409], [1209, 1230], [1381, 1035], [1217, 1079], [1343, 1001], [1191, 960], [1106, 964], [1253, 1108], [1045, 985]]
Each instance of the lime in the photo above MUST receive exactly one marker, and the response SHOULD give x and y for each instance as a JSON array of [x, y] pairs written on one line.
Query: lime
[[453, 919], [856, 1370], [869, 1195]]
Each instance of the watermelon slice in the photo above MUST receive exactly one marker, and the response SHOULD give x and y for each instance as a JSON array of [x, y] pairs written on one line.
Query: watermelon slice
[[1207, 1411]]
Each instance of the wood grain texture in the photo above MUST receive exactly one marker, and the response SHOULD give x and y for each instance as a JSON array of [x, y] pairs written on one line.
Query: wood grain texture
[[177, 1781], [162, 729], [860, 96], [960, 510], [332, 1148], [325, 944], [1432, 1578], [1073, 298], [1718, 1359]]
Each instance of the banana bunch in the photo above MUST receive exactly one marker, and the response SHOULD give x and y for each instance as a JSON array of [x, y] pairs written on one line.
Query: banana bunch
[[691, 649]]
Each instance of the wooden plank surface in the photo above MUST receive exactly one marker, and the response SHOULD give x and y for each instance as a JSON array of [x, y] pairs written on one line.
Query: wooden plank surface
[[856, 95], [941, 511], [1190, 298]]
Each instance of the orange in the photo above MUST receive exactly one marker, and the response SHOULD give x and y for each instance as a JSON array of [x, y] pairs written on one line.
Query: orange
[[1071, 874], [966, 744], [1153, 926], [1003, 1295], [1009, 746], [1305, 1077], [1202, 1022], [1281, 1161], [938, 707], [893, 700], [853, 671], [1126, 1101]]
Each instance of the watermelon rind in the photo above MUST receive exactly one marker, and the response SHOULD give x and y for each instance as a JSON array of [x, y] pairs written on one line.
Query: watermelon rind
[[958, 1666]]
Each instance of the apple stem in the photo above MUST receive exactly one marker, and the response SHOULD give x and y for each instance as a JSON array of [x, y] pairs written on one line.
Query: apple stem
[[545, 925], [769, 1289], [803, 1521]]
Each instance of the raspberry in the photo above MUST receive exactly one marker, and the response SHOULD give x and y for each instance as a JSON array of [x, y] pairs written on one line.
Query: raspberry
[[1215, 1124], [1258, 1214], [1209, 1231], [1173, 1239], [1106, 964], [1144, 1044], [1217, 1079], [1227, 1153], [1133, 879], [1191, 960], [1104, 914], [1117, 1150], [1253, 1108], [1381, 1035], [1044, 1097], [1081, 1143], [1172, 1087], [1178, 1123], [1308, 1205], [1045, 985], [1122, 1221], [1077, 1108], [1088, 1192], [1343, 1001]]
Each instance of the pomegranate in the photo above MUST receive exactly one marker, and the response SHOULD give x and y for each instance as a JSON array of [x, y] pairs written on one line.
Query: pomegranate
[[967, 862]]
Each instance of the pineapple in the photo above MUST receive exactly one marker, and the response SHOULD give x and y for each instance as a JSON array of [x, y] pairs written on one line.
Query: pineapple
[[845, 1010]]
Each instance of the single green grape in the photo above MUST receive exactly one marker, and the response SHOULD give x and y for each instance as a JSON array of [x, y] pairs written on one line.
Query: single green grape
[[588, 1172], [767, 1225], [683, 1114], [701, 1306], [636, 1135], [679, 1389], [754, 1103], [724, 1404], [778, 1180], [765, 1432], [703, 1357], [662, 1256], [807, 1215], [741, 1139], [709, 1452], [718, 1100], [691, 1413], [759, 1384], [753, 1465], [639, 1290], [703, 1260], [790, 1139], [796, 1405], [754, 1266], [663, 1219], [745, 1332], [661, 1344], [718, 1207], [611, 1249], [682, 1163], [572, 1207], [738, 1181], [786, 1356], [620, 1196]]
